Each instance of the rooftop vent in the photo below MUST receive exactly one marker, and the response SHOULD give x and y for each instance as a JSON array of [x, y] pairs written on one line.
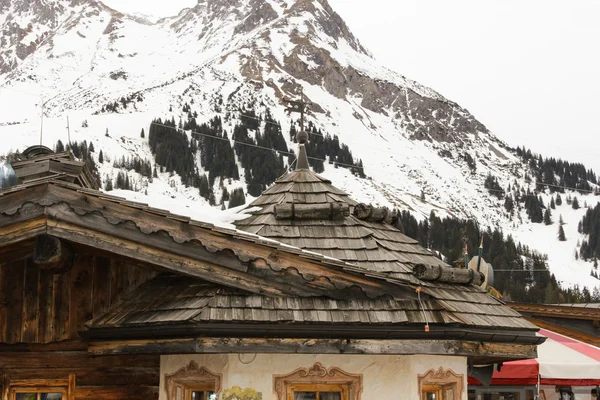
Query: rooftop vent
[[39, 163]]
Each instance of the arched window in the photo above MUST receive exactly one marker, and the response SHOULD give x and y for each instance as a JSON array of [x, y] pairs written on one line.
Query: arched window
[[441, 385], [192, 383], [318, 383]]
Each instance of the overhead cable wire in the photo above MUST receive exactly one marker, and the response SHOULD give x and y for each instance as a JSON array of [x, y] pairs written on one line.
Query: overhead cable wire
[[257, 146], [334, 162], [549, 185]]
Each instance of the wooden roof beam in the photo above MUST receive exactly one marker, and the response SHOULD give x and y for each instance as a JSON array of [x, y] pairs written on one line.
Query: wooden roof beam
[[480, 352], [546, 310], [174, 262]]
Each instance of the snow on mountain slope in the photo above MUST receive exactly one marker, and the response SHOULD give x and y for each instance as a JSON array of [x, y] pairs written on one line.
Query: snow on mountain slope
[[74, 57]]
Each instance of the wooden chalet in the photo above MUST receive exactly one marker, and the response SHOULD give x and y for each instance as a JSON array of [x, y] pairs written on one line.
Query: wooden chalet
[[578, 321], [320, 298]]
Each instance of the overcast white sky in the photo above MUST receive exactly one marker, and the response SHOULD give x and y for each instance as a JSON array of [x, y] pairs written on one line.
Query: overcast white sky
[[527, 69]]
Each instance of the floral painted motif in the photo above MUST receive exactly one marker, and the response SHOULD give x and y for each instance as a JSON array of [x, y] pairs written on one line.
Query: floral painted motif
[[237, 393]]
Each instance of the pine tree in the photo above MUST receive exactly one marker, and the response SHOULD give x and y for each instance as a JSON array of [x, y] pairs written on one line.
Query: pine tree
[[575, 203], [106, 134], [237, 198], [547, 217], [101, 157], [558, 199], [552, 204], [561, 234], [91, 148], [509, 204], [224, 195], [59, 148], [142, 134], [108, 185], [560, 220]]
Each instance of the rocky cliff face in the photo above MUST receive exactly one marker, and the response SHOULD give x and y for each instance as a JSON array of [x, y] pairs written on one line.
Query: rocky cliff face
[[277, 43], [27, 24], [233, 53]]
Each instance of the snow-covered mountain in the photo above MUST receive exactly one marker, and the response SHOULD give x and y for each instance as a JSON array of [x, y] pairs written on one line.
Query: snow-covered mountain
[[82, 60]]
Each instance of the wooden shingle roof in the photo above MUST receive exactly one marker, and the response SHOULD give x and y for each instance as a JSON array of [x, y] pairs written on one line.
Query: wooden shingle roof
[[279, 272], [176, 299], [372, 246]]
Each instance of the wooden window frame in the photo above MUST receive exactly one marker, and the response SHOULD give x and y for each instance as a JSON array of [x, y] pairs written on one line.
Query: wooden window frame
[[320, 387], [197, 387], [440, 381], [191, 378], [64, 386], [315, 377]]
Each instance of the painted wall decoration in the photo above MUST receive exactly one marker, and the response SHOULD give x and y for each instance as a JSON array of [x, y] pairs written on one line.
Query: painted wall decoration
[[447, 384], [237, 393], [318, 374], [185, 379]]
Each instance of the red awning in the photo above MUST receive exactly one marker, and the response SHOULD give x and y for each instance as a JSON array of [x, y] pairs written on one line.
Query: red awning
[[561, 361]]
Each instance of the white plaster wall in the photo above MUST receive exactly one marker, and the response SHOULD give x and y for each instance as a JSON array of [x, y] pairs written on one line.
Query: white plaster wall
[[384, 376]]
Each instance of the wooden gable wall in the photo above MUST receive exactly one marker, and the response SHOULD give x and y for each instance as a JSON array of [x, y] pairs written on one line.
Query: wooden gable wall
[[39, 306], [41, 313]]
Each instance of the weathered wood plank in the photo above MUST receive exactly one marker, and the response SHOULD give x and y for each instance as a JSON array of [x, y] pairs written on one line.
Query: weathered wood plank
[[4, 298], [74, 360], [316, 346], [62, 300], [46, 306], [132, 376], [114, 282], [126, 376], [102, 280], [31, 304], [211, 272], [80, 308], [71, 387], [260, 277], [117, 392], [15, 277], [65, 345], [143, 227], [311, 211], [16, 251]]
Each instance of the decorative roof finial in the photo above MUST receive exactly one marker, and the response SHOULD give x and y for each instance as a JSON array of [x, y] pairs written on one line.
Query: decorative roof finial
[[302, 161], [300, 106]]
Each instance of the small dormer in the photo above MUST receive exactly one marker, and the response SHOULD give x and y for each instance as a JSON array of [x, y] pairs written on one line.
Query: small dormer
[[39, 163]]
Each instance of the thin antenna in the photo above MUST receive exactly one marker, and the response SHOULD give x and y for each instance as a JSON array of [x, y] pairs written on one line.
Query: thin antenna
[[42, 122], [302, 135], [68, 131], [480, 254], [302, 108], [466, 250]]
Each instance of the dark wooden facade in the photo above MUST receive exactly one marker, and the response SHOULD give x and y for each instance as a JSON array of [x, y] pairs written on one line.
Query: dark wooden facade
[[41, 313]]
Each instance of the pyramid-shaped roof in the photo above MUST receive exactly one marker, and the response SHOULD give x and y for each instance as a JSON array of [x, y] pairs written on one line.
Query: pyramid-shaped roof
[[367, 242]]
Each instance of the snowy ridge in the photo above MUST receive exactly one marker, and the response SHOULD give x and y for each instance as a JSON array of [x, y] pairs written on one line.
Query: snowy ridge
[[224, 54]]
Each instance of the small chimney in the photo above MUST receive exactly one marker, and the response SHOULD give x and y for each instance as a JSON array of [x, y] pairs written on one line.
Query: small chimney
[[302, 162], [39, 163]]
